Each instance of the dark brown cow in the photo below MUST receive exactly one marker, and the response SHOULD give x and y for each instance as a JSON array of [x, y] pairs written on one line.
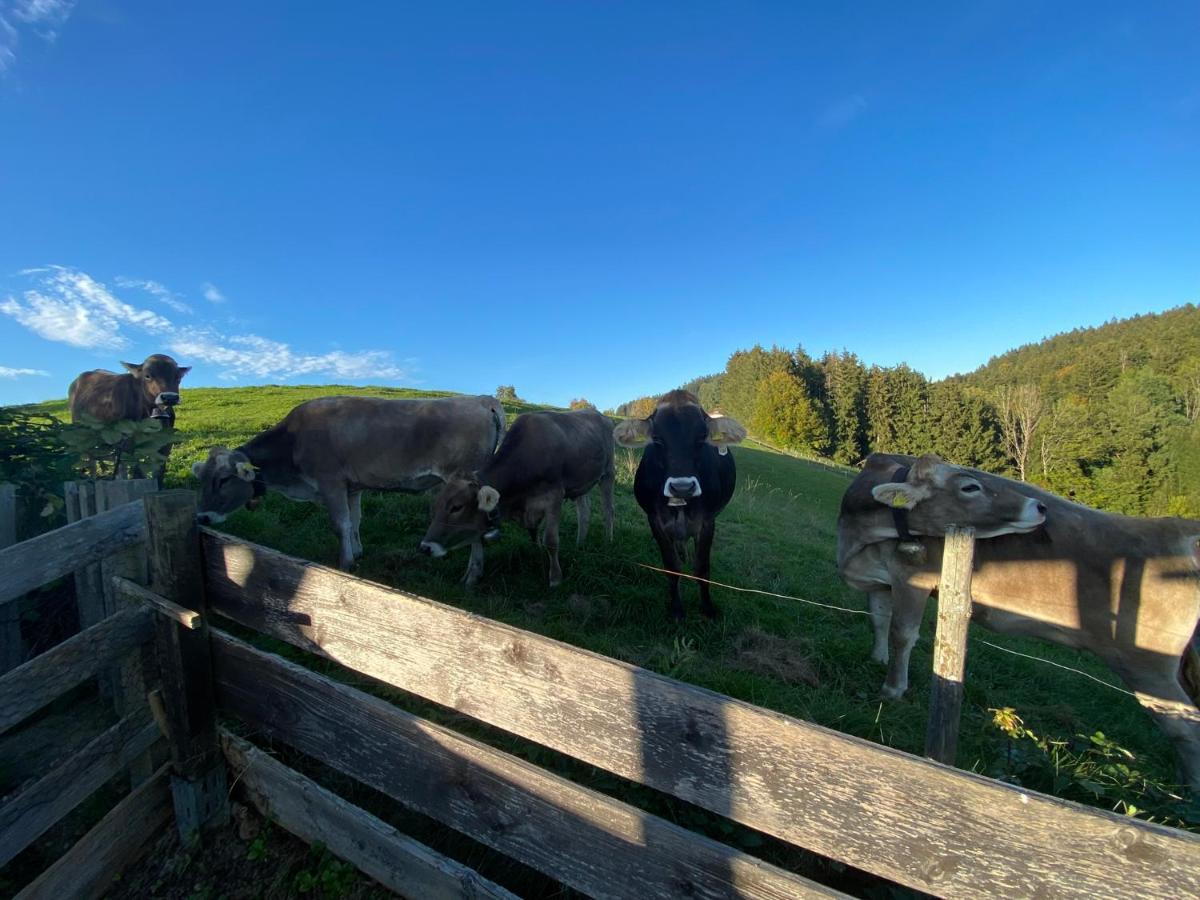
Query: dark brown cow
[[545, 458], [149, 390], [1125, 588]]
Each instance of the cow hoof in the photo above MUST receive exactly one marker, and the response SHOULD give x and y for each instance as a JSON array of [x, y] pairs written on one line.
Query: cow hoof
[[881, 658], [891, 693], [555, 582]]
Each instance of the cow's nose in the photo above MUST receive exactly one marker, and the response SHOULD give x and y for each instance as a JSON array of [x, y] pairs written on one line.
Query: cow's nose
[[169, 398], [683, 487], [1041, 507], [426, 549]]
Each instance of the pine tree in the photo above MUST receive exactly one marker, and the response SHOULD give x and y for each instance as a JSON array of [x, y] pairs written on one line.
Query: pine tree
[[786, 417]]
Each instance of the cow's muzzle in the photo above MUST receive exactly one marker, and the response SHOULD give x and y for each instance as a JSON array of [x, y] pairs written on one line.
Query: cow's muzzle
[[167, 398], [433, 548], [682, 488], [210, 518]]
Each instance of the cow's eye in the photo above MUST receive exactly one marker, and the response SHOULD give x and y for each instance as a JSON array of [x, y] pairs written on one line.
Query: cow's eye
[[970, 488], [456, 508]]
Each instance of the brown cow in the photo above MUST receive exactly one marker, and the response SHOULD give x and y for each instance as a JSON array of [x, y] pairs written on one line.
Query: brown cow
[[149, 390], [545, 458], [1127, 589], [329, 450]]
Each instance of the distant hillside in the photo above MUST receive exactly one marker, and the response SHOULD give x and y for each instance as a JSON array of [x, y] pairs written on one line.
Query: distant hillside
[[1108, 415]]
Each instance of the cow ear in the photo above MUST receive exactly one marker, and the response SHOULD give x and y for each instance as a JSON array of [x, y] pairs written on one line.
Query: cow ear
[[132, 368], [899, 495], [183, 370], [488, 497], [198, 469], [244, 470], [632, 433], [723, 431]]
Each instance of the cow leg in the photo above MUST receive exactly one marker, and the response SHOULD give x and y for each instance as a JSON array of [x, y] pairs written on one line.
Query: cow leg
[[908, 608], [606, 499], [338, 504], [583, 515], [474, 565], [550, 538], [355, 500], [881, 618], [1156, 686], [670, 560], [704, 565]]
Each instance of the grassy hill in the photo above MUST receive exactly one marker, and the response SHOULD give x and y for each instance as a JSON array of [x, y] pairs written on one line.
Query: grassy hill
[[777, 535]]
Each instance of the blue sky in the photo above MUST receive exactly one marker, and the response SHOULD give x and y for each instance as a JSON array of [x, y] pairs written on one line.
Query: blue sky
[[582, 199]]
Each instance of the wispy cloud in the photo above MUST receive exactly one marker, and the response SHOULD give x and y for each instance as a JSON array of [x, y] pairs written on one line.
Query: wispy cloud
[[155, 289], [42, 18], [211, 294], [71, 307], [6, 372], [841, 113]]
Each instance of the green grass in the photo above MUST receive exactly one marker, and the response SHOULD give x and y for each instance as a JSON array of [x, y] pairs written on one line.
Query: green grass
[[777, 534]]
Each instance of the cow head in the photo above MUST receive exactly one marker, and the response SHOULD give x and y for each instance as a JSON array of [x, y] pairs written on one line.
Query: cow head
[[463, 513], [226, 483], [158, 378], [682, 432], [936, 495]]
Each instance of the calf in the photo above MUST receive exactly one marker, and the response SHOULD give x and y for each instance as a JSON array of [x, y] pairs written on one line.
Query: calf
[[329, 450], [1127, 589], [685, 478], [547, 457]]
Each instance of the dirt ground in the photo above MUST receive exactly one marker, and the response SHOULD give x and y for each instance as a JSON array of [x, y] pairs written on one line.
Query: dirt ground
[[250, 858]]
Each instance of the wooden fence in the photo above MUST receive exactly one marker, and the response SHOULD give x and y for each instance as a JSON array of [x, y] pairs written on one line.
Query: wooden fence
[[908, 820]]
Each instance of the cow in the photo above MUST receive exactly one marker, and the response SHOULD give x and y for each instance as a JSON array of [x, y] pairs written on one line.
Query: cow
[[1127, 589], [146, 391], [331, 449], [685, 478], [546, 458]]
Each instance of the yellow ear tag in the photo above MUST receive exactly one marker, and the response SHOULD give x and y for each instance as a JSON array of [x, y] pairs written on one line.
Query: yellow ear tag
[[245, 471], [899, 501]]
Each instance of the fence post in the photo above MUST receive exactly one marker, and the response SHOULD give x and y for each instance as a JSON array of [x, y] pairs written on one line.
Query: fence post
[[80, 497], [198, 779], [950, 644], [127, 679], [12, 649]]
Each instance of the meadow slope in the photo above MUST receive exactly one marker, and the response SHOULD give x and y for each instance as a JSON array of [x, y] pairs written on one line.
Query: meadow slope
[[777, 535]]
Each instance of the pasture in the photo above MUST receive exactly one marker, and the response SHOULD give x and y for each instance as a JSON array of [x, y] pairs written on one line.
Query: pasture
[[777, 535]]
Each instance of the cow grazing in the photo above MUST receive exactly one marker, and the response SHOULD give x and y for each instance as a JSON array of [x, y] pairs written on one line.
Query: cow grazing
[[684, 480], [149, 390], [547, 457], [329, 450], [1127, 589]]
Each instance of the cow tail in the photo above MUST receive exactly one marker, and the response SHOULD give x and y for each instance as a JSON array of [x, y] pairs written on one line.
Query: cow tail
[[1189, 669], [498, 420]]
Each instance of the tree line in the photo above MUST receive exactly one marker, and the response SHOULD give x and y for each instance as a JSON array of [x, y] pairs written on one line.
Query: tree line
[[1107, 415]]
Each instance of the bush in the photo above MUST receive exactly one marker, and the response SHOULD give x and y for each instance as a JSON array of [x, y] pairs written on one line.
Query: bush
[[34, 457]]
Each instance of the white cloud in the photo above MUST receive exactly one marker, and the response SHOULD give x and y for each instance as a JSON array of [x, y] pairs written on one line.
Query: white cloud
[[71, 307], [6, 372], [838, 115], [211, 294], [261, 357], [41, 17], [158, 290]]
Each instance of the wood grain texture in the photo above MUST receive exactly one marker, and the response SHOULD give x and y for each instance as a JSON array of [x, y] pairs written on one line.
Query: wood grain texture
[[950, 645], [185, 664], [586, 840], [117, 841], [910, 820], [12, 647], [32, 563], [44, 678], [132, 593], [313, 813], [25, 816]]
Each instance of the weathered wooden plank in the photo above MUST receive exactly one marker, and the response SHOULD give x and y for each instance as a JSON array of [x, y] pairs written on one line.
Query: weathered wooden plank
[[12, 648], [80, 499], [25, 816], [44, 678], [313, 813], [131, 592], [591, 842], [950, 645], [118, 840], [32, 563], [907, 819]]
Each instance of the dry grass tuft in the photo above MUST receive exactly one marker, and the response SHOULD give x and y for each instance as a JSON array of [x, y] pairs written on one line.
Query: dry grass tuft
[[762, 653]]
